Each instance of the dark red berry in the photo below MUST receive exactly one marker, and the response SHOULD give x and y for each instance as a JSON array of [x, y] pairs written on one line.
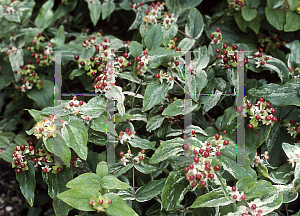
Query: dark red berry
[[22, 147], [217, 136], [250, 126], [217, 168]]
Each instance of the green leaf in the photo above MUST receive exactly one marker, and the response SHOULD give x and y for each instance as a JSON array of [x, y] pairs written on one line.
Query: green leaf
[[187, 4], [111, 182], [249, 13], [63, 10], [99, 124], [253, 3], [79, 198], [138, 142], [85, 181], [275, 17], [135, 48], [16, 59], [76, 72], [166, 149], [43, 97], [130, 77], [121, 169], [87, 53], [174, 190], [95, 107], [107, 8], [118, 207], [36, 114], [262, 188], [154, 122], [14, 17], [117, 94], [59, 147], [155, 92], [279, 95], [139, 17], [201, 59], [246, 184], [228, 159], [213, 198], [102, 169], [145, 168], [185, 45], [279, 67], [95, 11], [212, 101], [282, 175], [44, 18], [255, 137], [178, 108], [154, 37], [4, 141], [20, 140], [7, 75], [292, 21], [255, 24], [57, 184], [240, 21], [194, 26], [27, 183], [75, 135], [275, 3], [174, 7], [287, 193], [60, 37], [150, 190]]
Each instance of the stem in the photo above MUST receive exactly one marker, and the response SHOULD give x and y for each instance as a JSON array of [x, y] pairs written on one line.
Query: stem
[[288, 113], [78, 169], [217, 20], [33, 23], [202, 109], [101, 189], [179, 127], [133, 185], [287, 213], [134, 97], [280, 113]]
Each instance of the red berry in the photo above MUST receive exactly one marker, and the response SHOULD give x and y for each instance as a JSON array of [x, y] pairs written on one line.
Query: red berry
[[76, 57], [268, 105], [191, 166], [207, 167], [196, 159], [22, 165], [218, 153], [127, 130], [203, 183], [36, 151], [211, 36], [253, 206], [292, 121], [206, 154], [217, 136], [186, 169], [195, 151], [157, 76], [22, 147], [92, 59], [191, 177], [18, 171], [268, 118], [260, 50], [233, 188], [245, 61], [44, 159], [141, 158], [201, 151], [257, 117], [110, 201], [211, 176], [234, 196], [273, 110], [34, 41], [224, 132], [216, 40], [217, 168], [44, 170], [125, 55], [194, 184], [17, 162], [250, 126], [227, 66], [274, 119], [262, 63], [35, 160], [30, 148], [82, 63], [217, 29], [193, 132], [243, 197], [177, 63]]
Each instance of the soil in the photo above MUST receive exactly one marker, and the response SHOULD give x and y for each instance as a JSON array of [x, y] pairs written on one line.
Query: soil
[[11, 197]]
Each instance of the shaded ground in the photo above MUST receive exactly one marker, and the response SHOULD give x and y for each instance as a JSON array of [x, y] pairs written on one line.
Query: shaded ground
[[11, 198]]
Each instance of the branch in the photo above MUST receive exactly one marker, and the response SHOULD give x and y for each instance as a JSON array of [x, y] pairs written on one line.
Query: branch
[[33, 23]]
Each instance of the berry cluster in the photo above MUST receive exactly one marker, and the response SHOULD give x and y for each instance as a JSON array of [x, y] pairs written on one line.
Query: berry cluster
[[142, 63], [234, 194], [23, 154], [292, 127], [260, 159], [168, 20], [74, 107], [29, 77], [45, 128], [261, 112], [88, 43], [164, 76], [126, 44], [155, 11], [130, 158], [271, 41], [251, 209], [127, 135], [236, 5], [11, 50], [260, 58], [101, 203], [136, 6], [74, 161], [216, 36], [198, 172], [122, 62], [228, 56], [10, 9], [173, 64], [174, 119]]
